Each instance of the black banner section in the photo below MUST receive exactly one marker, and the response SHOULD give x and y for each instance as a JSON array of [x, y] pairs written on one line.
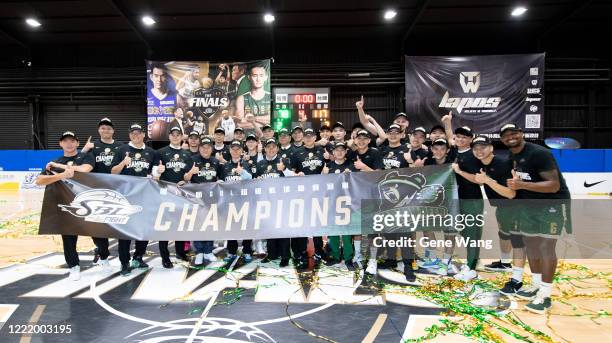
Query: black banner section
[[483, 92], [101, 205]]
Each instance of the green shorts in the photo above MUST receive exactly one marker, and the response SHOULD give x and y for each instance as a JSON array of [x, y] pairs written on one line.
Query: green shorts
[[507, 218], [545, 221]]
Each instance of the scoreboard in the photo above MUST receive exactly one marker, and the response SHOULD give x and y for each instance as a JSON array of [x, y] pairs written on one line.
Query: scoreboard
[[294, 105]]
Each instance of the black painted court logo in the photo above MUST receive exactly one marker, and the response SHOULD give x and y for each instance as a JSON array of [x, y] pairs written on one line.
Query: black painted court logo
[[101, 206]]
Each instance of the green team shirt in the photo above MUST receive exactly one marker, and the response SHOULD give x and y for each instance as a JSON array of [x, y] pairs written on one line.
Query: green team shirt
[[259, 108]]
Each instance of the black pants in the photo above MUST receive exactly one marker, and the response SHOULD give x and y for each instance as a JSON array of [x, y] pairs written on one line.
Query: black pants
[[70, 252], [101, 247], [232, 247], [179, 247], [124, 250], [278, 248], [300, 244]]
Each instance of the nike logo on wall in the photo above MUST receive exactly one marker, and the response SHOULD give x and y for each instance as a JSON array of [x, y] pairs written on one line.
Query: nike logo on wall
[[587, 185]]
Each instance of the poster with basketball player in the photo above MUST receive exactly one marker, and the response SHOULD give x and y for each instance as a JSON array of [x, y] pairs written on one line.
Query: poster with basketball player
[[201, 96]]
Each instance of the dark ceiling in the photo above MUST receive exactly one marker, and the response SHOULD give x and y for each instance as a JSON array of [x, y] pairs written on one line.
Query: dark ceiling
[[110, 32]]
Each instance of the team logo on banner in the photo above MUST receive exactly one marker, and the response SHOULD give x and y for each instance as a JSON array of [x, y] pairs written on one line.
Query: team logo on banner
[[101, 206], [470, 81], [208, 101], [410, 193]]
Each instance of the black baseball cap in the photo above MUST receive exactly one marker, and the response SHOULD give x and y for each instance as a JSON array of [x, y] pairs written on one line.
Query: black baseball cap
[[251, 137], [465, 131], [135, 127], [206, 140], [437, 127], [483, 140], [284, 132], [270, 141], [176, 128], [324, 127], [105, 121], [509, 126], [194, 133], [239, 129], [297, 128], [309, 132], [338, 124], [363, 133], [401, 114], [440, 141], [236, 142], [266, 127], [419, 129], [340, 145], [220, 129], [394, 127], [68, 134]]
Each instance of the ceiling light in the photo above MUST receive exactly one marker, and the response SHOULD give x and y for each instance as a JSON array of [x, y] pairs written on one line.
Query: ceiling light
[[147, 20], [390, 14], [269, 18], [519, 11], [33, 22]]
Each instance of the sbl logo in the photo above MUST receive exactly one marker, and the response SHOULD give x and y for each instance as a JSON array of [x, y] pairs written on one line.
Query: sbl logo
[[470, 81]]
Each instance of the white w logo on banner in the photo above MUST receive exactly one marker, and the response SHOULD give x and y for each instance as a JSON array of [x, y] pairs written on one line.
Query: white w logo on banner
[[470, 81]]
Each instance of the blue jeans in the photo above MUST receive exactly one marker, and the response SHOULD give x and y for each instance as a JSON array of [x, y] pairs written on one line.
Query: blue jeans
[[203, 247]]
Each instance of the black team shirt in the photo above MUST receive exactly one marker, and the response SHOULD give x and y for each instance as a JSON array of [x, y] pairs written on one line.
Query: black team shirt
[[532, 161], [210, 169], [500, 170], [469, 164], [177, 163], [393, 158], [310, 161], [76, 160], [104, 154], [268, 169], [371, 158], [335, 168], [229, 170], [142, 163]]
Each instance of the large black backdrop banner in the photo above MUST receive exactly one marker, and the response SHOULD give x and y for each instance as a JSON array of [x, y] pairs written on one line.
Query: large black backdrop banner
[[483, 92], [102, 205]]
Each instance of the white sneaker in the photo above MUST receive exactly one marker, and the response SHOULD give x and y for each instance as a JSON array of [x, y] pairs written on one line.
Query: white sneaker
[[104, 264], [466, 275], [259, 248], [75, 273], [210, 257], [199, 259], [400, 266], [441, 270], [218, 249], [452, 269], [371, 269]]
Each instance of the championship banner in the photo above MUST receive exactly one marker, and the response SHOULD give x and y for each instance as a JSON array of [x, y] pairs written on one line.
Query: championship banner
[[127, 207], [483, 92], [200, 96]]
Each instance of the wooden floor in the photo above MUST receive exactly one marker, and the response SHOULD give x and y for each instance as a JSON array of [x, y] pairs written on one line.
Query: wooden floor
[[571, 321]]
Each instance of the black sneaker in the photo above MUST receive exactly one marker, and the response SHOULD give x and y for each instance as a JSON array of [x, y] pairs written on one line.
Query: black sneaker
[[387, 264], [125, 270], [349, 265], [137, 262], [331, 262], [96, 256], [284, 262], [409, 273], [167, 264], [498, 266], [511, 287]]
